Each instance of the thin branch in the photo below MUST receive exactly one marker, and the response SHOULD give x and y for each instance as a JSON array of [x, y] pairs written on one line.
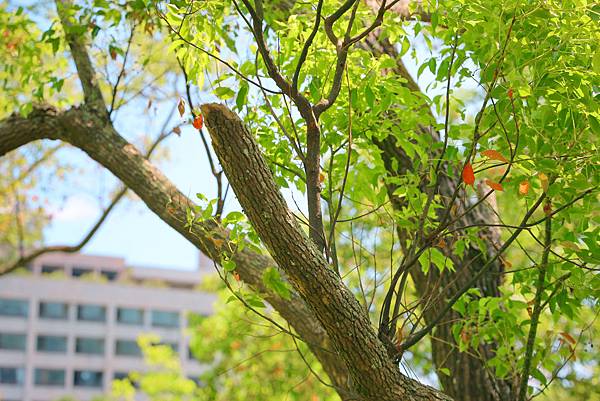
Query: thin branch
[[25, 259], [537, 310], [305, 48], [412, 340], [122, 72]]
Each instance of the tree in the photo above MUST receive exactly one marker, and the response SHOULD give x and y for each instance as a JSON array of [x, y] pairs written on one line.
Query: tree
[[450, 186]]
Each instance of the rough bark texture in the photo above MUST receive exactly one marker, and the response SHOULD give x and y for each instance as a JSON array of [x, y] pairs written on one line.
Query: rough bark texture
[[470, 380], [373, 374], [90, 133]]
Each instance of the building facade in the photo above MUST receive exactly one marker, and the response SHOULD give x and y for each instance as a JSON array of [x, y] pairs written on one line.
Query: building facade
[[68, 327]]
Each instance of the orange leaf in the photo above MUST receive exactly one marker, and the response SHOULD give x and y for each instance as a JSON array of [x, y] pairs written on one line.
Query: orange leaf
[[510, 93], [494, 155], [524, 187], [568, 337], [181, 106], [198, 121], [494, 185], [468, 175]]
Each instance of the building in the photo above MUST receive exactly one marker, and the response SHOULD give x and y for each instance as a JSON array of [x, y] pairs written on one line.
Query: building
[[68, 327]]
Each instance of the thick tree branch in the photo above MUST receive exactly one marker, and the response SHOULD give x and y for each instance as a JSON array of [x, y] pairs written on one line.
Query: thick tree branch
[[86, 131], [91, 90], [373, 374]]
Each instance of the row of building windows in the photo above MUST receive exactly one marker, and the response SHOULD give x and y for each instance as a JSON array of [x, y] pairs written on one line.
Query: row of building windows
[[57, 377], [89, 313], [53, 377], [80, 271], [83, 345]]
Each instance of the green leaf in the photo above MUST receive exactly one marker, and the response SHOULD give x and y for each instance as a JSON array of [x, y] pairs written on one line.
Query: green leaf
[[242, 96], [228, 265], [223, 92], [272, 280]]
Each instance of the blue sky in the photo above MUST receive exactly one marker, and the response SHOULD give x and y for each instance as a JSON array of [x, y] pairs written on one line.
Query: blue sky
[[132, 231]]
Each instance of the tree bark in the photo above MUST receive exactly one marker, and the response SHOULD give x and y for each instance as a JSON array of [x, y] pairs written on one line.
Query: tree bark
[[374, 376], [85, 130], [90, 132]]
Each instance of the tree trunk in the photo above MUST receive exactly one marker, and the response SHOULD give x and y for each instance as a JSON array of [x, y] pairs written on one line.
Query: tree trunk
[[89, 131], [373, 374]]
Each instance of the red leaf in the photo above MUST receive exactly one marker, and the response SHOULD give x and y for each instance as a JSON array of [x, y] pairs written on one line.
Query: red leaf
[[468, 175], [198, 122], [494, 155], [524, 187], [510, 93], [494, 185]]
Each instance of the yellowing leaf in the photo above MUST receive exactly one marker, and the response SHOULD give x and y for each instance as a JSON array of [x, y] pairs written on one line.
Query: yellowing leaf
[[596, 61], [544, 181]]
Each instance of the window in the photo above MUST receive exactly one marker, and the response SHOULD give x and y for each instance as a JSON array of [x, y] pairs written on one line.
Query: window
[[130, 316], [10, 375], [110, 275], [87, 378], [89, 346], [49, 377], [165, 319], [127, 348], [52, 344], [13, 307], [13, 341], [54, 310], [91, 313], [47, 269], [80, 271]]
